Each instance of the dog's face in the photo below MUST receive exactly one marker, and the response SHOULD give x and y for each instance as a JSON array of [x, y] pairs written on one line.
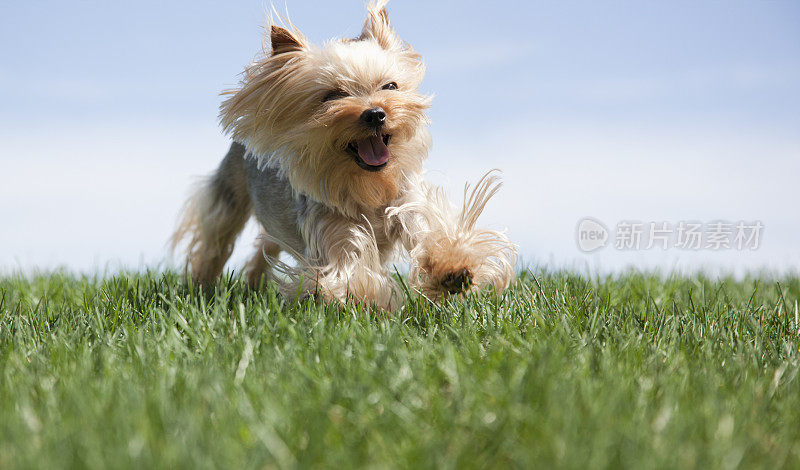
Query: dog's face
[[345, 123]]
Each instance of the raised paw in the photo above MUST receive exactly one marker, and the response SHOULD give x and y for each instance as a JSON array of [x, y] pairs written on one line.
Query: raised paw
[[457, 281], [449, 254], [445, 267]]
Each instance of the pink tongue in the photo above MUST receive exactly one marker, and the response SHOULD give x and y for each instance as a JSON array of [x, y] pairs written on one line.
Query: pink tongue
[[373, 151]]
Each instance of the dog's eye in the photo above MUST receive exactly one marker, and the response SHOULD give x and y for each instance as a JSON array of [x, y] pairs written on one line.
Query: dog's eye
[[389, 86], [334, 95]]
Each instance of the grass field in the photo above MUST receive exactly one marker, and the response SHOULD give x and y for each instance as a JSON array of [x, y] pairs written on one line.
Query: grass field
[[635, 371]]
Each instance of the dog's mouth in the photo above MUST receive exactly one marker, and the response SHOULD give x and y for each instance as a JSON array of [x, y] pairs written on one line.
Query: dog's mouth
[[371, 153]]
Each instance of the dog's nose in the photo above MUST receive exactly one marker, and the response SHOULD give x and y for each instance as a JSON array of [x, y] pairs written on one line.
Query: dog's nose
[[457, 281], [374, 117]]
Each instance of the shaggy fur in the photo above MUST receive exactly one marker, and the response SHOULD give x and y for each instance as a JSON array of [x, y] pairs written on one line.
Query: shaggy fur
[[301, 163]]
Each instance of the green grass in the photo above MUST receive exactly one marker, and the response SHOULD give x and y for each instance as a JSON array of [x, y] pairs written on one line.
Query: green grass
[[634, 371]]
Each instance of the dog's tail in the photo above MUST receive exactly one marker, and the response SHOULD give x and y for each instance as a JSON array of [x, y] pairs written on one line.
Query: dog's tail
[[213, 218]]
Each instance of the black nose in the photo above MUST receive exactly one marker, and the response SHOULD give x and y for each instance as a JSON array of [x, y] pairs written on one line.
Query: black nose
[[457, 281], [375, 117]]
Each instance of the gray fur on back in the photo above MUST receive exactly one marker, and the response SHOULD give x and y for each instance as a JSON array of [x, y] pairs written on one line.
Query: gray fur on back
[[275, 205]]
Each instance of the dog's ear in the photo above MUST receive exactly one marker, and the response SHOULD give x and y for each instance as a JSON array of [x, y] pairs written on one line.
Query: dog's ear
[[377, 26], [284, 41]]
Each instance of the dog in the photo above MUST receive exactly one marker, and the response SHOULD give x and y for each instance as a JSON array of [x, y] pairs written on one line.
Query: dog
[[328, 150]]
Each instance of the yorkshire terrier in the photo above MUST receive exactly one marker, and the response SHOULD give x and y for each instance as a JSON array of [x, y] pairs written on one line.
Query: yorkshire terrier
[[327, 153]]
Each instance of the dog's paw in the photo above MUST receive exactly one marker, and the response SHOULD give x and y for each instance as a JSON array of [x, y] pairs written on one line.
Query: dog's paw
[[446, 267], [457, 281], [449, 254]]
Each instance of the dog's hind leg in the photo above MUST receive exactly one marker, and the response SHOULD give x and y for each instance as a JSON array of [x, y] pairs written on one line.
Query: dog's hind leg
[[259, 264], [213, 218]]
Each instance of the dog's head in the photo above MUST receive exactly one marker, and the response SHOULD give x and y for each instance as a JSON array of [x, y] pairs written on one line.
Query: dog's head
[[344, 122]]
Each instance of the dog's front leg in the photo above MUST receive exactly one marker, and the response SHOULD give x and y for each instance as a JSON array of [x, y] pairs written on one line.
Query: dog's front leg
[[343, 261], [448, 253]]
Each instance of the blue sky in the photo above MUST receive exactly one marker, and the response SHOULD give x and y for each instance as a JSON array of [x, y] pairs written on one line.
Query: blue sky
[[636, 110]]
